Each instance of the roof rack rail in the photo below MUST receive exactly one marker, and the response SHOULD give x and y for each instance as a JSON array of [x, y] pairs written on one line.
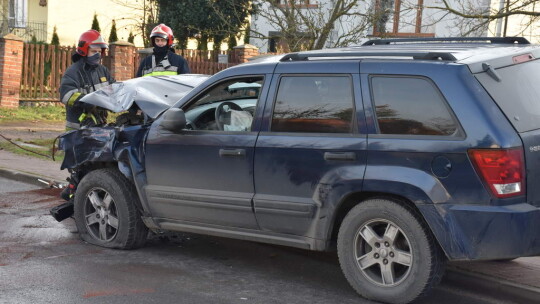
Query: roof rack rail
[[501, 40], [418, 55]]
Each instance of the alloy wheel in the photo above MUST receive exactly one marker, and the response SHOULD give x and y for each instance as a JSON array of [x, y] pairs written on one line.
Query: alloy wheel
[[100, 215], [383, 252]]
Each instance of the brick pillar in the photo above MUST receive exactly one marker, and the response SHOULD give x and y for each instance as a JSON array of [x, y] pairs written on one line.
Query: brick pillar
[[123, 55], [11, 61], [243, 52]]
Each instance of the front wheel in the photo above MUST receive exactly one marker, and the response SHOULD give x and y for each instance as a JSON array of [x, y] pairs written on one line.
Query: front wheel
[[106, 211], [386, 252]]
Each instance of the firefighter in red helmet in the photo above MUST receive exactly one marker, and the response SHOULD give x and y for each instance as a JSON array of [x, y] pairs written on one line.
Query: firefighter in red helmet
[[85, 75], [163, 60]]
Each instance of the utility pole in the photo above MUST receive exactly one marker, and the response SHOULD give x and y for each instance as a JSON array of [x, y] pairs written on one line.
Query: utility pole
[[506, 18], [500, 20], [144, 23]]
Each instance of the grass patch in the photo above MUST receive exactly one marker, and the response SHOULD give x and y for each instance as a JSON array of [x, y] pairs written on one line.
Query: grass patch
[[45, 147], [51, 113]]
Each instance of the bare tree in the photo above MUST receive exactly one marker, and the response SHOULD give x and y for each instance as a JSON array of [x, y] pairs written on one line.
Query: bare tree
[[525, 12], [509, 8], [142, 19], [304, 26]]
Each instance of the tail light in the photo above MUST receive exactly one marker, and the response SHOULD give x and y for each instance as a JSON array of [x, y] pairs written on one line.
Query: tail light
[[503, 170]]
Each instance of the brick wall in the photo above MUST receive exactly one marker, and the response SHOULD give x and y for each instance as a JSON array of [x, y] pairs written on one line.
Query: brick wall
[[123, 56], [243, 52], [11, 57]]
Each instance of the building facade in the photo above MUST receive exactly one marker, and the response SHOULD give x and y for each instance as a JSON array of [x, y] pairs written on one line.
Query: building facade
[[383, 18], [516, 25], [36, 19]]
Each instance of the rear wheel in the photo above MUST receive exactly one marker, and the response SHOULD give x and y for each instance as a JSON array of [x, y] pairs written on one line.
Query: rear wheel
[[387, 254], [106, 212]]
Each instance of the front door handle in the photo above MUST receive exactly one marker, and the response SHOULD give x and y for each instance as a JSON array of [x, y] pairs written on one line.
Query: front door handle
[[232, 152], [339, 156]]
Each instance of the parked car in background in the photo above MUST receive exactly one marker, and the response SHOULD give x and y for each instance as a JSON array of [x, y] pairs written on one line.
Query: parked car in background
[[399, 154]]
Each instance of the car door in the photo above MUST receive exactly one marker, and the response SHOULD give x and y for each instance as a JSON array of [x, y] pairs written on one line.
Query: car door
[[204, 174], [311, 144]]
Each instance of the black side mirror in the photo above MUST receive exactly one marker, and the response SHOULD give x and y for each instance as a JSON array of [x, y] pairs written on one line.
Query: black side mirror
[[174, 120]]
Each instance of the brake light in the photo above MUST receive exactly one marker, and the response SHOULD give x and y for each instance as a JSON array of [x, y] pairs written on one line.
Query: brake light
[[503, 170], [522, 58]]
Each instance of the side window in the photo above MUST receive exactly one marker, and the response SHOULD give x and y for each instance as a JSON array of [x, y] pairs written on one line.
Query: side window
[[412, 106], [227, 106], [314, 104]]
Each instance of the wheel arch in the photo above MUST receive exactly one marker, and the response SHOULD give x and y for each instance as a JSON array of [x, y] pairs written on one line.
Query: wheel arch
[[110, 181], [357, 198]]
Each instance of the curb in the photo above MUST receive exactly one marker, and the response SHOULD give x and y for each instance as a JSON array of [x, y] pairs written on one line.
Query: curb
[[497, 287], [27, 178]]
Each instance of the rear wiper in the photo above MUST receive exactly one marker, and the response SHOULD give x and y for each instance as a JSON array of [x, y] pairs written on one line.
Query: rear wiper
[[491, 72]]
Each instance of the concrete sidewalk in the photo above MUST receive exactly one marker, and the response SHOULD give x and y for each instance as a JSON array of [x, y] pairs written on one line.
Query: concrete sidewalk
[[30, 169], [517, 280]]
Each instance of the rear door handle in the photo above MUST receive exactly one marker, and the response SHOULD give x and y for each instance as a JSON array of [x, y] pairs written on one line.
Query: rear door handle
[[339, 156], [232, 152]]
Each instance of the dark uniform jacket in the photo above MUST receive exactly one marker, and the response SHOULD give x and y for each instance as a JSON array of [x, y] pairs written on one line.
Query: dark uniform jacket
[[171, 64], [80, 79]]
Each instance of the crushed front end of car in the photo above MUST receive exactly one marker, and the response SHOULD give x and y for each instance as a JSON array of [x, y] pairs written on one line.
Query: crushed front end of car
[[96, 148], [119, 144]]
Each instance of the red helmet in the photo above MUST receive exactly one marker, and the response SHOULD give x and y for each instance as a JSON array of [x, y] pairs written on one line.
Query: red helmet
[[163, 31], [90, 38]]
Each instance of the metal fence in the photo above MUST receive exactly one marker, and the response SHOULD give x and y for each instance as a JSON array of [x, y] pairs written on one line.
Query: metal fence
[[32, 31]]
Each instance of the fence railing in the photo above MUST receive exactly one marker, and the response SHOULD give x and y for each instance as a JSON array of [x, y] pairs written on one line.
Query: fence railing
[[203, 61], [28, 30], [206, 67], [43, 67]]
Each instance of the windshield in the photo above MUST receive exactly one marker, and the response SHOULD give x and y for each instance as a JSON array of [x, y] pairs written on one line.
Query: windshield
[[517, 93]]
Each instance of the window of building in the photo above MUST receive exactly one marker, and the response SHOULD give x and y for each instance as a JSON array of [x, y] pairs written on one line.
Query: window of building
[[18, 12], [298, 3], [314, 104], [413, 106], [400, 18]]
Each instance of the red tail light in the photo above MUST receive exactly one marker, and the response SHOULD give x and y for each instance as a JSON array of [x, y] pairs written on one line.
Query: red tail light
[[503, 170]]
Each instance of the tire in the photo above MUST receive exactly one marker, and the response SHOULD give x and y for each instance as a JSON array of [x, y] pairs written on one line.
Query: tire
[[400, 259], [105, 211]]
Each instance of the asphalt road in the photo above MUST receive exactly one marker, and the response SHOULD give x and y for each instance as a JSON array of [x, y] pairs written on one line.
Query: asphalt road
[[42, 261]]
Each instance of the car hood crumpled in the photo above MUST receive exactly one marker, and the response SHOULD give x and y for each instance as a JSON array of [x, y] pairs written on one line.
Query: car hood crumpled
[[152, 95]]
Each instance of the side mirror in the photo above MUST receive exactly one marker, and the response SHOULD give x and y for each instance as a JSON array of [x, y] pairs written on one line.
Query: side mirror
[[174, 120]]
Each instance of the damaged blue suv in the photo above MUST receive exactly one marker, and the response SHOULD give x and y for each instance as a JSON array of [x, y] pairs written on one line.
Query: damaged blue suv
[[401, 154]]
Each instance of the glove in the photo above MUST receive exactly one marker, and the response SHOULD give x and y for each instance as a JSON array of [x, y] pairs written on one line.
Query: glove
[[87, 108]]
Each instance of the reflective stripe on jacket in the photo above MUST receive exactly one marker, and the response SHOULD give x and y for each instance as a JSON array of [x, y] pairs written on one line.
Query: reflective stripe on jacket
[[80, 79], [162, 68], [172, 64]]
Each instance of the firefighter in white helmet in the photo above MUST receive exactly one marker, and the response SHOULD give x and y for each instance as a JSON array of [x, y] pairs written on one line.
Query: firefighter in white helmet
[[163, 60]]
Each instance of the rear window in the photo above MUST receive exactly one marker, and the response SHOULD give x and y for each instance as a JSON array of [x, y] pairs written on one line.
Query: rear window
[[517, 94], [411, 106], [314, 104]]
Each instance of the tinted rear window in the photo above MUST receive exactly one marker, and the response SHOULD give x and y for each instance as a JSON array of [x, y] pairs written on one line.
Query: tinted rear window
[[314, 104], [411, 106], [517, 94]]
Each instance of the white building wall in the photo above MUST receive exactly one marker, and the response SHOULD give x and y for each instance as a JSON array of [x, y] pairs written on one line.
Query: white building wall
[[433, 21], [517, 25]]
